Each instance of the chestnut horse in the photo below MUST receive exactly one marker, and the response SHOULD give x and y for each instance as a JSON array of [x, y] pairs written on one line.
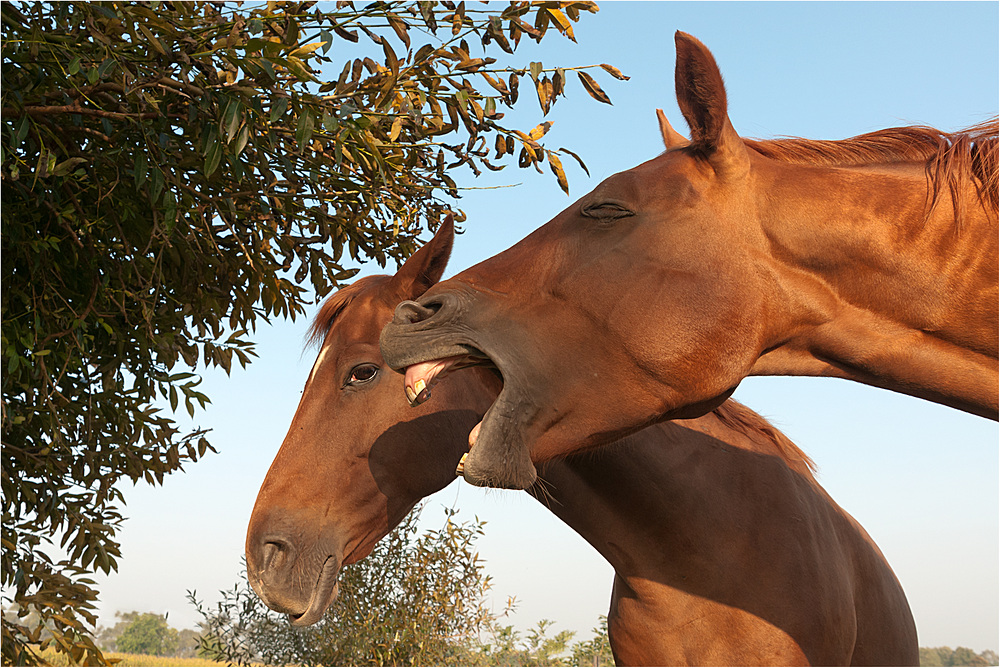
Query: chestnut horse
[[872, 259], [726, 550]]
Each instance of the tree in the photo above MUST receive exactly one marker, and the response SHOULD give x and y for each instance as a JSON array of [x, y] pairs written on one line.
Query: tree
[[172, 173], [961, 656], [597, 650], [148, 634], [415, 600]]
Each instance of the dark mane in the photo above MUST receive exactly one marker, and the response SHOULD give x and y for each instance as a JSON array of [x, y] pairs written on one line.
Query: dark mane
[[951, 158], [737, 416], [336, 303]]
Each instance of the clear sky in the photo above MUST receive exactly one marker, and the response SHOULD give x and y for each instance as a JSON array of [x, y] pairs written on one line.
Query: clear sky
[[921, 478]]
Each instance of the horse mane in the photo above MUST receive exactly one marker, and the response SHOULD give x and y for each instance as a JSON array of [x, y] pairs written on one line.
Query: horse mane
[[951, 158], [335, 304], [735, 415]]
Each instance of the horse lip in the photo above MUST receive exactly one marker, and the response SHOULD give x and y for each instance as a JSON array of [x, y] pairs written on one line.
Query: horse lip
[[323, 594]]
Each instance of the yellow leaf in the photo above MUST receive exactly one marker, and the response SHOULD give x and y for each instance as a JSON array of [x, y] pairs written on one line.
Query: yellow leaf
[[306, 49], [614, 71], [562, 22], [556, 165], [540, 130]]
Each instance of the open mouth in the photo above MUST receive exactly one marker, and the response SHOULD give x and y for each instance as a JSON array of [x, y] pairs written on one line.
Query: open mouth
[[323, 595], [500, 457], [421, 377]]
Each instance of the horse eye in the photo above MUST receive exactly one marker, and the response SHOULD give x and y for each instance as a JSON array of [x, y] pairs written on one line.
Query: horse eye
[[362, 373], [606, 211]]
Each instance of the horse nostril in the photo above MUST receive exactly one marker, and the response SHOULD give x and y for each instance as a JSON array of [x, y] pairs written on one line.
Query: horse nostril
[[410, 312], [273, 555]]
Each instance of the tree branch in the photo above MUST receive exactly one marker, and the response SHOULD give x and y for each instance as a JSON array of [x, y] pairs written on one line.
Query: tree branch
[[11, 112]]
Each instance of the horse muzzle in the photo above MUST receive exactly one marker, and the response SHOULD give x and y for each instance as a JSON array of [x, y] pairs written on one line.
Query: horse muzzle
[[301, 583]]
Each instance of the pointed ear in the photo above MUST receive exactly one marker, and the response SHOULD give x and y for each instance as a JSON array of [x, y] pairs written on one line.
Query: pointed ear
[[671, 138], [701, 95], [425, 267]]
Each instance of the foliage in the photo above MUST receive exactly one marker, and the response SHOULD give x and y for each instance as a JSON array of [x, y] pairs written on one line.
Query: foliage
[[961, 656], [416, 600], [107, 637], [174, 171], [148, 633], [596, 651]]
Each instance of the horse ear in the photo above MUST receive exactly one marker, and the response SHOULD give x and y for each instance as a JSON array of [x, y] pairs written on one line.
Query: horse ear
[[671, 138], [425, 267], [701, 95]]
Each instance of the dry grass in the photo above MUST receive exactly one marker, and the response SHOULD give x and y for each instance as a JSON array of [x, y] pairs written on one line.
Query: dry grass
[[145, 660], [126, 660]]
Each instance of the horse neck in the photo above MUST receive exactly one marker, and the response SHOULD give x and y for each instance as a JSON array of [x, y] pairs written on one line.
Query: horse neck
[[877, 289], [661, 504]]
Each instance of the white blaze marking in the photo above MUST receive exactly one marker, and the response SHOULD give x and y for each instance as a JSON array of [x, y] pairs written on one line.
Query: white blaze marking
[[319, 361]]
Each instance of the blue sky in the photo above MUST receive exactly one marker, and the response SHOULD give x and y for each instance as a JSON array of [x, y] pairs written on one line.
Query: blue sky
[[921, 478]]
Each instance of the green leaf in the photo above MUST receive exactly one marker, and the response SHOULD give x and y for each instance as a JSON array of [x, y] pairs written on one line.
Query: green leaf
[[140, 168], [304, 129], [170, 211], [241, 139], [156, 183], [231, 118], [278, 108], [536, 70], [213, 155]]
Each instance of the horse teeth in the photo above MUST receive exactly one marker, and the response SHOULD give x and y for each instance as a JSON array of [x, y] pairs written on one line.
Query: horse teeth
[[417, 394]]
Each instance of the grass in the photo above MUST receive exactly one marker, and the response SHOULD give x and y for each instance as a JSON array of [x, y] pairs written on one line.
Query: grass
[[126, 660], [149, 660]]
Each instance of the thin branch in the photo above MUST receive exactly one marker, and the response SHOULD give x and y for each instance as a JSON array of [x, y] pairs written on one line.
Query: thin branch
[[11, 112]]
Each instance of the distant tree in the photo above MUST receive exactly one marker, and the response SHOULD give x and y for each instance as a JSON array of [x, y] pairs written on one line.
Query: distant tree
[[107, 636], [931, 656], [961, 656], [188, 643], [509, 647], [172, 173], [148, 633], [597, 650]]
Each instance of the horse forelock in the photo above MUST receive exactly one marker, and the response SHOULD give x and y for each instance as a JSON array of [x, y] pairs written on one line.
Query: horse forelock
[[737, 416], [335, 305], [951, 158]]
